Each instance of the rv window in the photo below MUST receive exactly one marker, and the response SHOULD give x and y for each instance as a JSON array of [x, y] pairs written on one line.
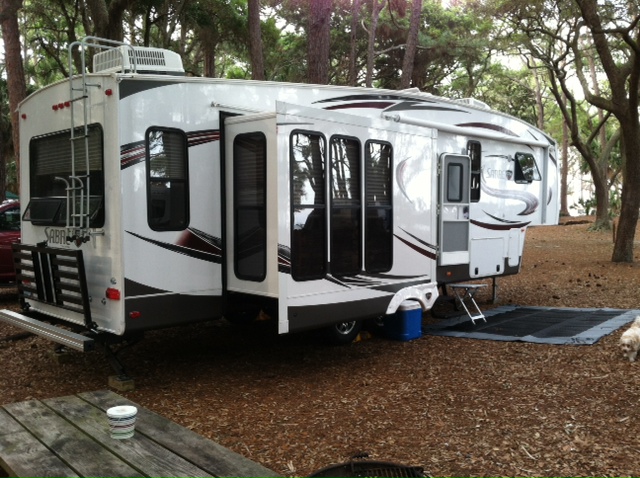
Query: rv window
[[345, 222], [474, 150], [526, 169], [454, 182], [249, 198], [308, 208], [51, 169], [378, 229], [167, 179]]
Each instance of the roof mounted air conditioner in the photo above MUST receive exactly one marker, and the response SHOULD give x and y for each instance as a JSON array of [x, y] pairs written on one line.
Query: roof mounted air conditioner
[[127, 59], [474, 102]]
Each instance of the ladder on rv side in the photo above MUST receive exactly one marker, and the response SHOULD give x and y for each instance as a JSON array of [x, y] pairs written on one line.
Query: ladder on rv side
[[78, 186]]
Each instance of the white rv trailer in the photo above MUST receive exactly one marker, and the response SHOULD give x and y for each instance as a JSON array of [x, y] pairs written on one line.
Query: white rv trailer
[[151, 199]]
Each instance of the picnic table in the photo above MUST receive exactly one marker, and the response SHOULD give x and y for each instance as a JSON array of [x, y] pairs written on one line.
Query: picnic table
[[70, 436]]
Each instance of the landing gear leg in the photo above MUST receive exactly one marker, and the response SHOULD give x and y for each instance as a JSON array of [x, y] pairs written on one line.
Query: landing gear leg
[[121, 381]]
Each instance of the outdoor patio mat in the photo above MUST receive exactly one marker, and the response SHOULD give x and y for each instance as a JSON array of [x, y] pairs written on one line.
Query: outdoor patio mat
[[543, 325]]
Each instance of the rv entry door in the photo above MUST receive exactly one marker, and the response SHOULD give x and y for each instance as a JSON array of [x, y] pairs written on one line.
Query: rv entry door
[[250, 262], [454, 210]]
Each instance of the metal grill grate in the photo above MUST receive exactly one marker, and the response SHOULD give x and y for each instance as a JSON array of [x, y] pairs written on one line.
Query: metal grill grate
[[372, 469]]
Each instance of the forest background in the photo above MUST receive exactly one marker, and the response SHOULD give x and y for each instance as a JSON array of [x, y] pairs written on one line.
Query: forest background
[[570, 67]]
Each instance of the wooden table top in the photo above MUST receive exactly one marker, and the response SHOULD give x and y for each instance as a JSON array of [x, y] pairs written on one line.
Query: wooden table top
[[70, 436]]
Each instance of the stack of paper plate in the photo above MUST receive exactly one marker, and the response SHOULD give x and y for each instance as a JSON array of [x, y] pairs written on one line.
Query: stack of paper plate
[[122, 421]]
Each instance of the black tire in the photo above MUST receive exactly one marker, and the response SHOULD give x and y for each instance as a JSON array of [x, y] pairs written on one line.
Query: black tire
[[343, 332]]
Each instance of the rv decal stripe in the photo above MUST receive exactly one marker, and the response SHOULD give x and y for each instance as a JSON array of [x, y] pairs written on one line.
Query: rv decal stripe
[[369, 97], [364, 104], [499, 227], [493, 127], [187, 251], [397, 287], [424, 243], [195, 138], [199, 240], [132, 87], [530, 201], [400, 179], [429, 254], [284, 259], [134, 153], [504, 221], [133, 288], [415, 106], [131, 153]]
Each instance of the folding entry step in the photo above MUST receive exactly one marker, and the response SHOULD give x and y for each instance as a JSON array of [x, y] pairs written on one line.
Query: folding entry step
[[466, 292]]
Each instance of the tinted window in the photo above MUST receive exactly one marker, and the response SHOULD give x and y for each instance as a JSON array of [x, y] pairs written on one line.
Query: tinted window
[[167, 185], [474, 150], [526, 169], [378, 252], [54, 159], [346, 224], [308, 206], [454, 182], [250, 234]]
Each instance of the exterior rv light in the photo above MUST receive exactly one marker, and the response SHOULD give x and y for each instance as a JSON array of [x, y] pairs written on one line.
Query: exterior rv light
[[54, 107], [24, 116], [60, 105], [108, 92], [135, 314], [113, 294], [67, 104]]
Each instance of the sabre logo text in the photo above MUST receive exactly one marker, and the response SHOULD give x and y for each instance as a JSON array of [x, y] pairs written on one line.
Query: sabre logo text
[[56, 236], [497, 173]]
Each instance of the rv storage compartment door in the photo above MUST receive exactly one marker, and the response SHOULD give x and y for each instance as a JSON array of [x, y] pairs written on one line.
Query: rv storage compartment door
[[454, 210], [251, 244]]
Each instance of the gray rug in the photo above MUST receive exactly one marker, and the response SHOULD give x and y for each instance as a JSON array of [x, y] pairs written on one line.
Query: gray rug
[[542, 325]]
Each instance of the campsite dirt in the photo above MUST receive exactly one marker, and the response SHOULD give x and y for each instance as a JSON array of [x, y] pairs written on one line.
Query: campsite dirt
[[456, 407]]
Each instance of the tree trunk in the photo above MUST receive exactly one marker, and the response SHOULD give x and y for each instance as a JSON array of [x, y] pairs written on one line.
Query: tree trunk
[[539, 102], [107, 19], [412, 45], [376, 7], [624, 80], [255, 41], [318, 41], [353, 53], [564, 180], [626, 231], [209, 52], [15, 78]]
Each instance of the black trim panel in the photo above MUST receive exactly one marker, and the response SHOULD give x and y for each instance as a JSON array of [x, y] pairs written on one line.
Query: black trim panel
[[315, 316], [133, 288], [161, 311], [132, 87]]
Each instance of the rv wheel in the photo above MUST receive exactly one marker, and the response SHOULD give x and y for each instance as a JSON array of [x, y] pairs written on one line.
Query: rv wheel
[[343, 332]]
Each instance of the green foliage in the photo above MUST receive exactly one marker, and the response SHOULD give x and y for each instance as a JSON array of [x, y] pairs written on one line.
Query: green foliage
[[465, 50]]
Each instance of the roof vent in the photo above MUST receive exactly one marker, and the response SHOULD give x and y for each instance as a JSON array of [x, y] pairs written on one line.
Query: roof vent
[[127, 59]]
